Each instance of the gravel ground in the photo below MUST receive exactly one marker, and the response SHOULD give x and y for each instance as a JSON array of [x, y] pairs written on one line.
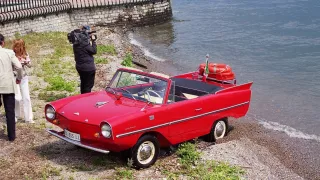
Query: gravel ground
[[36, 155], [248, 155]]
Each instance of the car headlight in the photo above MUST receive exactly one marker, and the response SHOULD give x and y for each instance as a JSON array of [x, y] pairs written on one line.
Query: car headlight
[[50, 112], [106, 130]]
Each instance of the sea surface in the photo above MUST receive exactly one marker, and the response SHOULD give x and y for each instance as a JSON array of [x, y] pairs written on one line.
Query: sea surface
[[274, 43]]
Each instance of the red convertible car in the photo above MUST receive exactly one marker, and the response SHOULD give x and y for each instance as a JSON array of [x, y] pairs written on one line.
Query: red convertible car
[[141, 112]]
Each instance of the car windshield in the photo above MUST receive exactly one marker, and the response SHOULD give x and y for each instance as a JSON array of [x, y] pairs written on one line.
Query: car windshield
[[138, 87]]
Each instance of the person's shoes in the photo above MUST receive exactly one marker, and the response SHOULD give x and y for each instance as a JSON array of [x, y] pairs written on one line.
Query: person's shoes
[[30, 122]]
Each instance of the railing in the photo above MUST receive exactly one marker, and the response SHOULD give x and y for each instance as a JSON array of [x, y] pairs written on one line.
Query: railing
[[18, 9], [79, 4]]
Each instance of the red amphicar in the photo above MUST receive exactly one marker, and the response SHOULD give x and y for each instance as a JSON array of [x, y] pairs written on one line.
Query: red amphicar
[[140, 112]]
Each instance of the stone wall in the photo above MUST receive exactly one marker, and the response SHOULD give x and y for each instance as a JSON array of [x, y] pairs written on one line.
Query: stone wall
[[147, 13], [134, 15], [53, 22]]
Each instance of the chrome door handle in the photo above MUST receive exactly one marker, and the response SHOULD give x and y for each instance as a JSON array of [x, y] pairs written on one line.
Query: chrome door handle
[[199, 109]]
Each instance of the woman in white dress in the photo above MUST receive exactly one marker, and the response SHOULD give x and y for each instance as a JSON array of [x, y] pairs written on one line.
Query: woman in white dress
[[20, 50]]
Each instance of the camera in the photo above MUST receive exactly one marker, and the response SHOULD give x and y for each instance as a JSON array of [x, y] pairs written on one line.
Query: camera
[[82, 36]]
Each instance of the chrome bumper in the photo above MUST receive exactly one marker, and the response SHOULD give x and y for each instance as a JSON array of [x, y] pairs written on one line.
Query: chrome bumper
[[55, 133]]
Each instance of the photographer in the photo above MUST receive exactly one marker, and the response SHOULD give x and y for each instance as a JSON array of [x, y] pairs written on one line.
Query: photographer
[[84, 47]]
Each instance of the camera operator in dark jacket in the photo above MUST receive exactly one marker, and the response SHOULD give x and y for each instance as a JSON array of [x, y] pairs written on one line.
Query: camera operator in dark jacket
[[83, 53]]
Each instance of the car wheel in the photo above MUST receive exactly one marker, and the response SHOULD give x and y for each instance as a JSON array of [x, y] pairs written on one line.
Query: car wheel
[[145, 153], [218, 130]]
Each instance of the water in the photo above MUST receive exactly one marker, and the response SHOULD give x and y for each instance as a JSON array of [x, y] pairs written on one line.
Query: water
[[275, 44]]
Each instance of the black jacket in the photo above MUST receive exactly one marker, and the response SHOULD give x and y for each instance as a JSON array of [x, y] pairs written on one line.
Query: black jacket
[[83, 54]]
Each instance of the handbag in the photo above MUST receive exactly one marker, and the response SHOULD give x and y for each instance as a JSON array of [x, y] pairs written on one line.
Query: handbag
[[17, 95]]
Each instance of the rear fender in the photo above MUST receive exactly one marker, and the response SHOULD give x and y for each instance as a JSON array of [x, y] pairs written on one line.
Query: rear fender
[[235, 100], [236, 88]]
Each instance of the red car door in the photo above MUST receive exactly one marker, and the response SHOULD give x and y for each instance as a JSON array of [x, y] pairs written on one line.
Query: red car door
[[183, 117]]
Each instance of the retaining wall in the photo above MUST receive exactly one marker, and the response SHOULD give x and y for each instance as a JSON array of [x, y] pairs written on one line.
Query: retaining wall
[[132, 14]]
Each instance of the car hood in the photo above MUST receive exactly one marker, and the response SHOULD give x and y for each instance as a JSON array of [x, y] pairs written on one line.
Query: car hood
[[97, 107]]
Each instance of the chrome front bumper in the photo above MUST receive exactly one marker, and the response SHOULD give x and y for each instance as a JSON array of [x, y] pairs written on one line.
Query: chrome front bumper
[[55, 133]]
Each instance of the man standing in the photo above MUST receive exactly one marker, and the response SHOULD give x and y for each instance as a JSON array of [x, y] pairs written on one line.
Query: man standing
[[8, 87], [83, 53]]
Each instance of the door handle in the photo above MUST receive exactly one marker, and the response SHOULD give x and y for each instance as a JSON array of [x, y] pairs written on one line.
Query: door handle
[[199, 109]]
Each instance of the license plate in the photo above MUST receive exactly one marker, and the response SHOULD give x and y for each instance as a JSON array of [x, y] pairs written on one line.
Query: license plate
[[71, 135]]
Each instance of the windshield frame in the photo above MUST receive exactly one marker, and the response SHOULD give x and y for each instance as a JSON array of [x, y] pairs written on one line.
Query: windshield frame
[[167, 80]]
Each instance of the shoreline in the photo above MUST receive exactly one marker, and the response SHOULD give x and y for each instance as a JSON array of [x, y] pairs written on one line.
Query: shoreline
[[287, 161]]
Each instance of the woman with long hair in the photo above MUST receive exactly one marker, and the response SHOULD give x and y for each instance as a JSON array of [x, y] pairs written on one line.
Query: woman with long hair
[[19, 48]]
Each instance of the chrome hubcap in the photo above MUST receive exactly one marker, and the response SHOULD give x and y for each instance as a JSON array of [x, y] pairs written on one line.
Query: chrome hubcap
[[220, 129], [146, 152]]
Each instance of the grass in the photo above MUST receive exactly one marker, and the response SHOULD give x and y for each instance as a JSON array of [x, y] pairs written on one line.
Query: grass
[[48, 54], [55, 40], [57, 83], [82, 167], [106, 49], [100, 60], [192, 167], [51, 96], [127, 61], [48, 171], [123, 173], [188, 154]]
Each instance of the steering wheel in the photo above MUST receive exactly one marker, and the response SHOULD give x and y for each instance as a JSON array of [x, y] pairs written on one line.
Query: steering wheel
[[149, 90]]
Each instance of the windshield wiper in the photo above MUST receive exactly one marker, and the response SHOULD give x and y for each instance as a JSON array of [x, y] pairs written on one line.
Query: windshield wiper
[[128, 92], [108, 87]]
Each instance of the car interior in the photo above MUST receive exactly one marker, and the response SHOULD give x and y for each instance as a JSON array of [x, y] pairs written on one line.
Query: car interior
[[183, 89]]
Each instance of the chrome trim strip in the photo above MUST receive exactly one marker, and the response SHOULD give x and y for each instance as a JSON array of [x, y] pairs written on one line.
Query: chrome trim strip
[[52, 132], [141, 130], [181, 120]]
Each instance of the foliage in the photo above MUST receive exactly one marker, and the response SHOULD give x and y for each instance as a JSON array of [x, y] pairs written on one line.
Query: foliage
[[100, 60], [127, 61], [51, 96], [82, 167], [124, 173], [56, 40], [194, 168], [188, 153], [215, 170], [106, 49], [57, 83], [48, 171], [49, 53], [126, 80]]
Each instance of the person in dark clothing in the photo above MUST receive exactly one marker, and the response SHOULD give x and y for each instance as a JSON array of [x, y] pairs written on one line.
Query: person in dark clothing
[[83, 53]]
